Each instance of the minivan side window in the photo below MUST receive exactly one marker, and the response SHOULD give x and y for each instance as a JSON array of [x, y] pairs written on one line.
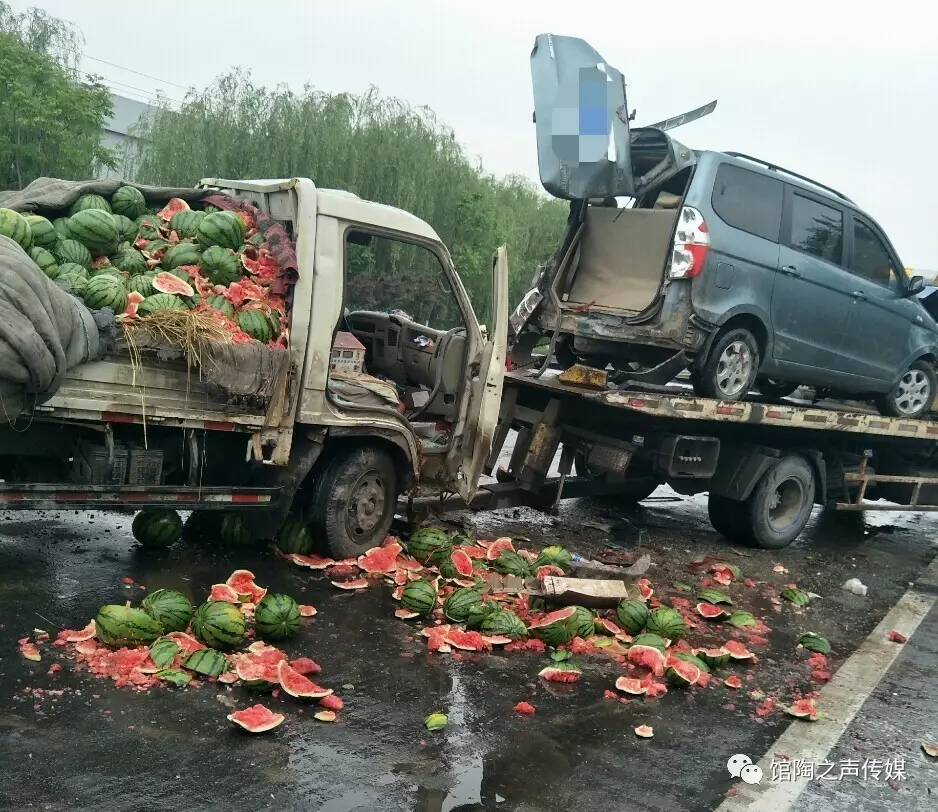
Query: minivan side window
[[870, 258], [817, 229], [748, 201]]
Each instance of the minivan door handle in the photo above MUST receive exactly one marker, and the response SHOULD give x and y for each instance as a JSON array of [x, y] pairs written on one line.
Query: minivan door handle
[[790, 270], [857, 294]]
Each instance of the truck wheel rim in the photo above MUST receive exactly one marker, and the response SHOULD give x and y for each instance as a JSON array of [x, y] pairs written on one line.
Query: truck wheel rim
[[913, 392], [734, 369], [365, 506], [786, 504]]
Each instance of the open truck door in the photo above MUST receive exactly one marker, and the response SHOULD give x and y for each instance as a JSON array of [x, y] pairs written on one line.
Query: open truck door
[[482, 417]]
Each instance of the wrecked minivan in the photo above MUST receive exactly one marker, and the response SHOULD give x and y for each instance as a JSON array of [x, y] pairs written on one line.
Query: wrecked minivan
[[744, 273]]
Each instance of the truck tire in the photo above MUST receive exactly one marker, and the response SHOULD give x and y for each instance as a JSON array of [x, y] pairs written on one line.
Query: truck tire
[[780, 505], [353, 500], [728, 517], [730, 368]]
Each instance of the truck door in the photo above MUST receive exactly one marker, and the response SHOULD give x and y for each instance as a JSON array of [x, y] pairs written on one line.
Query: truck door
[[486, 386]]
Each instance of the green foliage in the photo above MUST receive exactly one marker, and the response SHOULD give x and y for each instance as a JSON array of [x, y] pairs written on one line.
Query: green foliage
[[50, 118], [381, 149]]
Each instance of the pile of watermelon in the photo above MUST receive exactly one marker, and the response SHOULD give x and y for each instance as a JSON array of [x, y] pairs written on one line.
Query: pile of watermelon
[[140, 260], [167, 641]]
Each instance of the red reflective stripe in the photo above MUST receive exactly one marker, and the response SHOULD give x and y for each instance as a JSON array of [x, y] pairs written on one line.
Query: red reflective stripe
[[117, 417], [244, 498], [12, 497], [636, 403], [75, 496], [218, 425], [138, 496], [728, 410]]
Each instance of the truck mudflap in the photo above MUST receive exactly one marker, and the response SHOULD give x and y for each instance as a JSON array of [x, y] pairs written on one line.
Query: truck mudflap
[[19, 496]]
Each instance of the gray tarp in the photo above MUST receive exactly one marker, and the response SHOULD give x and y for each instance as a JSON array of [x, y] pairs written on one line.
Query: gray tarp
[[44, 332], [55, 194]]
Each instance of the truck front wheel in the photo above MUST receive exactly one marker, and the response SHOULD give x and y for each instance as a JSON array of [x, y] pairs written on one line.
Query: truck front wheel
[[353, 500]]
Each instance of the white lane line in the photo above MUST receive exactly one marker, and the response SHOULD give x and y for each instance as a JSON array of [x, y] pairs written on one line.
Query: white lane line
[[839, 702]]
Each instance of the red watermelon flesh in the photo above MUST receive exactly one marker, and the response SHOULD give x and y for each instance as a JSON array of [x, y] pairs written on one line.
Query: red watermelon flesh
[[648, 657], [606, 625], [405, 614], [332, 702], [548, 570], [559, 616], [733, 681], [227, 677], [86, 647], [710, 611], [496, 640], [243, 583], [525, 708], [355, 583], [405, 562], [401, 577], [467, 641], [497, 547], [223, 593], [174, 206], [165, 282], [250, 669], [473, 552], [304, 666], [295, 684], [644, 588], [737, 650], [307, 611], [803, 709], [343, 570], [256, 719], [313, 562], [380, 559], [186, 642], [553, 674], [655, 689], [70, 636], [631, 686], [462, 562]]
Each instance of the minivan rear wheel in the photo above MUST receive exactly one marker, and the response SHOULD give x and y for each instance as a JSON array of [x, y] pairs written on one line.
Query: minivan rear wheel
[[913, 394], [730, 368]]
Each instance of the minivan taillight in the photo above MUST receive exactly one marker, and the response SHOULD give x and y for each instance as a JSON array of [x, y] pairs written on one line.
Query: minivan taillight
[[691, 244]]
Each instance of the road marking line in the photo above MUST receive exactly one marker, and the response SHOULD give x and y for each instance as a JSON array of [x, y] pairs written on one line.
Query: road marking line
[[839, 702]]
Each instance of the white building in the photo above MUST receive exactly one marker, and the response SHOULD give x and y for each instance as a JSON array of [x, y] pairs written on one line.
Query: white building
[[118, 135]]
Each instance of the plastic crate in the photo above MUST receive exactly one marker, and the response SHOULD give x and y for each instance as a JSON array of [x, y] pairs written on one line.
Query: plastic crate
[[91, 465], [145, 467]]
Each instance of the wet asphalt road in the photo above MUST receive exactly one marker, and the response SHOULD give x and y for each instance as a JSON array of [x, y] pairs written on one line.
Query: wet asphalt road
[[96, 746]]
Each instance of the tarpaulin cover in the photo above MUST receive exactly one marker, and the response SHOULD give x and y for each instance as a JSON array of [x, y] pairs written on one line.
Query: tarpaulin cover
[[55, 194]]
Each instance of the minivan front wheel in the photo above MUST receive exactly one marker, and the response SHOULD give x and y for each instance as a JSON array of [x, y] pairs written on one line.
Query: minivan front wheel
[[730, 368], [913, 394]]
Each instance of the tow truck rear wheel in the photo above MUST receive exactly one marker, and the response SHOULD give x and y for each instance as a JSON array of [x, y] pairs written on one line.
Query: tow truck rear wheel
[[353, 500], [775, 513]]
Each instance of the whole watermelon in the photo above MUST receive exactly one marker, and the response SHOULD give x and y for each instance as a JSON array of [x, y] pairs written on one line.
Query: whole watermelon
[[277, 617], [72, 251], [129, 202], [419, 597], [159, 302], [425, 543], [96, 230], [667, 623], [126, 228], [186, 223], [257, 325], [106, 290], [221, 228], [294, 537], [118, 626], [130, 261], [44, 234], [582, 622], [235, 531], [155, 527], [16, 227], [632, 615], [46, 262], [557, 556], [479, 611], [72, 283], [456, 606], [504, 622], [183, 253], [60, 224], [170, 608], [90, 201], [510, 563], [219, 624], [141, 283], [221, 265]]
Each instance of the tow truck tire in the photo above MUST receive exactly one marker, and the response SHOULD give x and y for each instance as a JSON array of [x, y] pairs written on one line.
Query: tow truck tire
[[353, 501], [728, 517], [781, 503]]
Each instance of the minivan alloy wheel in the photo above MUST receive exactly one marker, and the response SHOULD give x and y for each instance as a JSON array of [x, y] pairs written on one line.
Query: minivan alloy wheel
[[912, 392], [734, 369]]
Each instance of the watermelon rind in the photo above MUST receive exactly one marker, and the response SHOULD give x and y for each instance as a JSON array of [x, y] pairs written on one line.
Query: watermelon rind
[[89, 201], [714, 596], [155, 527], [43, 232], [256, 719], [208, 662], [96, 230], [219, 625], [554, 629], [666, 622], [419, 596], [423, 544], [694, 660], [814, 642], [16, 227], [294, 536], [556, 555], [632, 615], [45, 260], [277, 617], [505, 623], [117, 625], [651, 639], [682, 674], [456, 606], [170, 608]]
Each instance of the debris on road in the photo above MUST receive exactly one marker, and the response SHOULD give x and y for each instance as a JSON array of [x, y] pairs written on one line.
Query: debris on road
[[856, 586], [436, 721], [896, 637], [644, 731]]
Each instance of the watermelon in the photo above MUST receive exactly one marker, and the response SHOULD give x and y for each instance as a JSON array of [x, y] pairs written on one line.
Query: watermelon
[[221, 304], [221, 265], [380, 560], [173, 207], [89, 201], [60, 224], [159, 302], [277, 617], [129, 202], [126, 228], [96, 230], [257, 325], [148, 227], [605, 626], [425, 543], [666, 622], [166, 282], [71, 269], [186, 222], [714, 657], [294, 537], [797, 597], [737, 650], [742, 620], [682, 674], [221, 228], [107, 290], [644, 731], [694, 660], [647, 656], [462, 563], [814, 642], [456, 606], [73, 251], [15, 226], [235, 531], [71, 283], [632, 615], [581, 623], [295, 684], [560, 672], [256, 719], [313, 562], [711, 611], [163, 652], [170, 608], [243, 582], [478, 612], [155, 527], [504, 623], [324, 716], [46, 262], [219, 625], [628, 685], [555, 628], [419, 596], [202, 525], [184, 253], [803, 709], [119, 626], [555, 555], [225, 593], [732, 681], [651, 639], [141, 283], [497, 547], [107, 270], [208, 662], [72, 636], [130, 261], [511, 563], [43, 232], [714, 596], [186, 642]]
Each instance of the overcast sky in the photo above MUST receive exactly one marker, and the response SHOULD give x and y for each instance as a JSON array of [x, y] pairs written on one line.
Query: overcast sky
[[845, 93]]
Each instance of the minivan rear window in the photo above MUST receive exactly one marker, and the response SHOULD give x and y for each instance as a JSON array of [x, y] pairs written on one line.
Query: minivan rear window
[[748, 201], [817, 229]]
